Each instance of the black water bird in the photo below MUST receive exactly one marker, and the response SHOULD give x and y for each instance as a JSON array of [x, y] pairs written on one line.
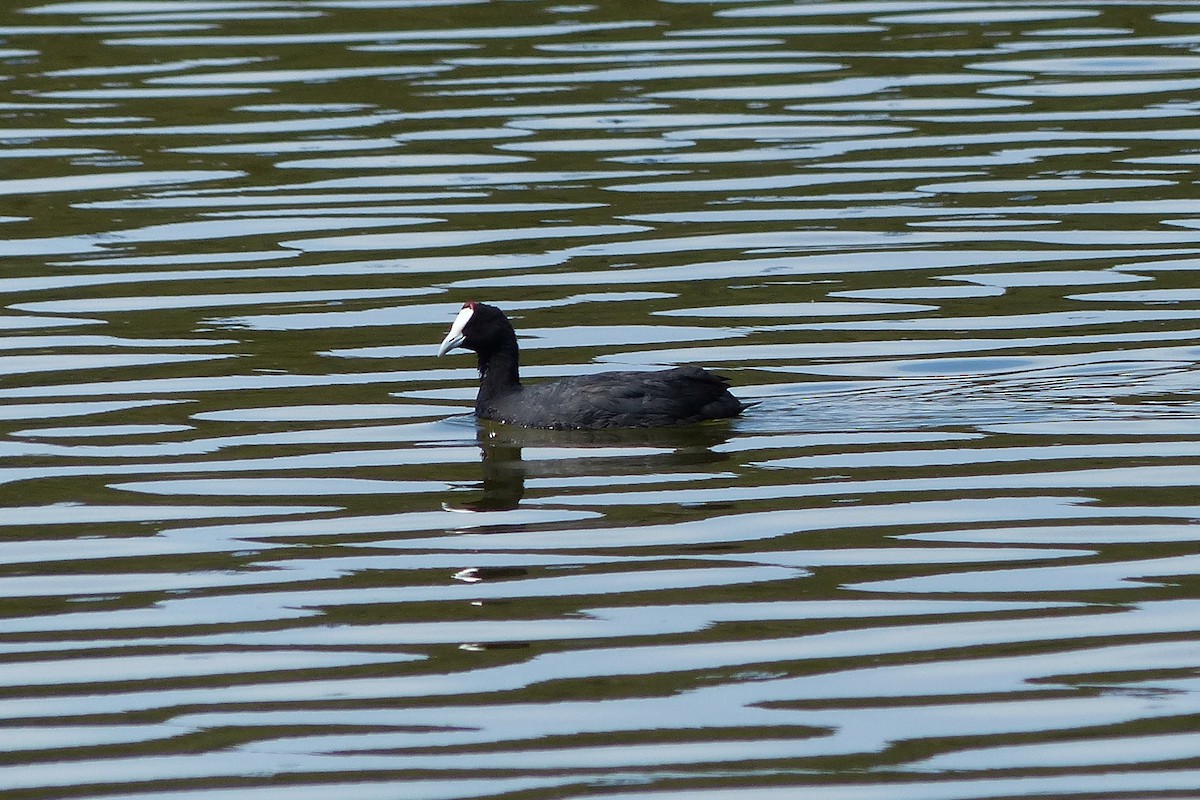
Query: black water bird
[[587, 402]]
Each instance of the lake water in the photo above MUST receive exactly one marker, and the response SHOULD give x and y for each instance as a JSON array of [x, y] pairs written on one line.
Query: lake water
[[254, 545]]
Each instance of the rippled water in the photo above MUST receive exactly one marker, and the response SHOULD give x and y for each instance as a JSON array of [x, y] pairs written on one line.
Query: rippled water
[[255, 546]]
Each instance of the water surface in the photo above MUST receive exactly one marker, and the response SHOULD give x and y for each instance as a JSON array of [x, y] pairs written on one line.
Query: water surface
[[255, 545]]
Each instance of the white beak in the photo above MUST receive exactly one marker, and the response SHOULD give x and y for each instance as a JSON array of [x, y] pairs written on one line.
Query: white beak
[[455, 337]]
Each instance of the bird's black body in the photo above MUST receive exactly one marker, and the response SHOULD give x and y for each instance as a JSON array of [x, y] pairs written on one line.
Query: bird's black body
[[607, 400]]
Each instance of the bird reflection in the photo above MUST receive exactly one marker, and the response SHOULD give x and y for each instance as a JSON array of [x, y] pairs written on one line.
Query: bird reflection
[[643, 450]]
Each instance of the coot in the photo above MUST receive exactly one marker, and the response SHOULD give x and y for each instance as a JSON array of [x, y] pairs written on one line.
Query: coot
[[607, 400]]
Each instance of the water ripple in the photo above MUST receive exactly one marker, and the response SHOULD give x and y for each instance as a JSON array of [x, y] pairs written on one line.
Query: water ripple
[[258, 547]]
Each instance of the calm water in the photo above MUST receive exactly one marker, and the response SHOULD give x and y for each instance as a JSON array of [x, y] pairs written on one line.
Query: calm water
[[255, 546]]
